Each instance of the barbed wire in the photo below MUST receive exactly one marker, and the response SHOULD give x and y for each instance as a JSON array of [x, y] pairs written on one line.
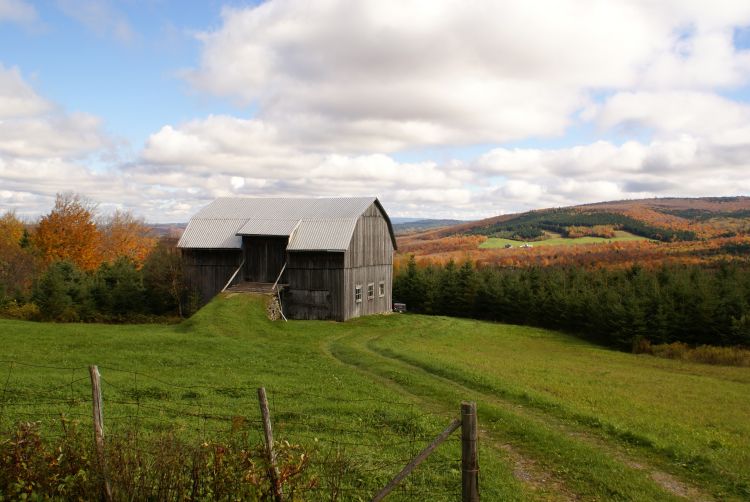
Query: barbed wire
[[348, 439]]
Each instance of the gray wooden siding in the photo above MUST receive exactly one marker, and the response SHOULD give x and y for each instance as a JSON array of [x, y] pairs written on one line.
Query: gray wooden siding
[[369, 259], [207, 271], [371, 242], [264, 258], [316, 281], [364, 276]]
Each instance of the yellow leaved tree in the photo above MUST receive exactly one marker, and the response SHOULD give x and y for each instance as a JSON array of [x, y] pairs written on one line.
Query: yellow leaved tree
[[69, 232], [125, 235]]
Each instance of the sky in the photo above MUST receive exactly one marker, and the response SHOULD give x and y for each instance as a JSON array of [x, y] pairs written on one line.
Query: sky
[[440, 108]]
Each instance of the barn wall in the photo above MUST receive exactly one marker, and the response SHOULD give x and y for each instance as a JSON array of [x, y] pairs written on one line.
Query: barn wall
[[363, 276], [369, 259], [316, 280], [264, 257], [207, 271], [371, 242]]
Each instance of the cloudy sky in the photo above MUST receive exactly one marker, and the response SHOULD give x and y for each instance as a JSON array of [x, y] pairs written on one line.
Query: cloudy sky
[[441, 108]]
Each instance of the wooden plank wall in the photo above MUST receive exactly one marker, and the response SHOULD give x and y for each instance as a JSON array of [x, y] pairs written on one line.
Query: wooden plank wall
[[364, 276], [315, 282], [369, 259], [264, 257], [207, 271]]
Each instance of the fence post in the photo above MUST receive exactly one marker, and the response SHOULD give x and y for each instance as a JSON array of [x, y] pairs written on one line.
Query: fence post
[[96, 395], [469, 456], [268, 433]]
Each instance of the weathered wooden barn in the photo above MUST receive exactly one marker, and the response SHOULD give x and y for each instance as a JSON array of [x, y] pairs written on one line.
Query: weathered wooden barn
[[327, 258]]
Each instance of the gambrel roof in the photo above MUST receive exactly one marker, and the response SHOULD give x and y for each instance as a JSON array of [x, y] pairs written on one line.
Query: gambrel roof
[[310, 224]]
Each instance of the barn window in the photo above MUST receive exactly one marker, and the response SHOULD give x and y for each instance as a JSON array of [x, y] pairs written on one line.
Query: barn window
[[358, 293], [371, 291], [381, 289]]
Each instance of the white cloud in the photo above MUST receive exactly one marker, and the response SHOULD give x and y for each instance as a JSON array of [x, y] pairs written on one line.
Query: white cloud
[[44, 150], [389, 74], [17, 11], [674, 112], [17, 98], [337, 91], [101, 17], [222, 155], [682, 166]]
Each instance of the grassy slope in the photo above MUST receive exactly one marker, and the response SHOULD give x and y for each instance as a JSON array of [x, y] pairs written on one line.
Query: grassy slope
[[620, 236], [560, 418]]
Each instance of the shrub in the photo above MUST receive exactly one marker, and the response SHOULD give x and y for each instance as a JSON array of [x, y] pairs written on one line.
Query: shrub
[[118, 288], [707, 354], [22, 311], [63, 293], [729, 356], [157, 467], [675, 350], [641, 345], [162, 280]]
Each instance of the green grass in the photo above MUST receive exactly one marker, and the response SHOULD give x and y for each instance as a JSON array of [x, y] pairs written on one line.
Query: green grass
[[560, 418], [620, 236]]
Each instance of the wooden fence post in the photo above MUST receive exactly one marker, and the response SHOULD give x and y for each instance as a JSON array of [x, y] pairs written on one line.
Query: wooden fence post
[[469, 456], [96, 395], [268, 433]]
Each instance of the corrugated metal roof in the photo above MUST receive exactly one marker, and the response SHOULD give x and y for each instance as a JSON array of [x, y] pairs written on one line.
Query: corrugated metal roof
[[285, 209], [321, 224], [212, 234], [268, 227], [323, 235]]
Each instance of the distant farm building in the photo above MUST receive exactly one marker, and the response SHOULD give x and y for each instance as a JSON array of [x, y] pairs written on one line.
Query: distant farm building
[[327, 258]]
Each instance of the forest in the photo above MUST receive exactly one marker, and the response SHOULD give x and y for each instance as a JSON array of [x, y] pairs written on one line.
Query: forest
[[73, 265], [618, 307], [532, 225]]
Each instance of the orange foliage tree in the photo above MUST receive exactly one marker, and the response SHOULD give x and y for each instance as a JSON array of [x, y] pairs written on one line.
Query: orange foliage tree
[[125, 235], [606, 231], [17, 263], [11, 229], [69, 232]]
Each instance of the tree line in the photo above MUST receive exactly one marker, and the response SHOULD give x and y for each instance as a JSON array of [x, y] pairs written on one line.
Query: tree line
[[73, 265], [532, 225], [686, 303]]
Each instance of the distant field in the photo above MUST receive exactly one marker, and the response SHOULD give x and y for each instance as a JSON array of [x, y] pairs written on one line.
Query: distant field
[[620, 236], [560, 419]]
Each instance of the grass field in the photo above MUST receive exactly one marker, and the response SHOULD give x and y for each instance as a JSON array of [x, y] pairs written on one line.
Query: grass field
[[560, 419], [620, 236]]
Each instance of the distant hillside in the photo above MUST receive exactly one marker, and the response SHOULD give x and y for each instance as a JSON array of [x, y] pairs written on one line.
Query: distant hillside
[[168, 229], [667, 219], [406, 227]]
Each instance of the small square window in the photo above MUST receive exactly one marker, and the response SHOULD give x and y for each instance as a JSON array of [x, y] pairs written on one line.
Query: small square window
[[381, 289], [371, 291], [358, 294]]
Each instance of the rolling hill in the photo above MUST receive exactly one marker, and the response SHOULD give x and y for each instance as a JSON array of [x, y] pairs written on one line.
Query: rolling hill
[[665, 219], [654, 230], [363, 397]]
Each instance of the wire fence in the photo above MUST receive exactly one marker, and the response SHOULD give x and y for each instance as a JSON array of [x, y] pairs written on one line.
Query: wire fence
[[333, 447]]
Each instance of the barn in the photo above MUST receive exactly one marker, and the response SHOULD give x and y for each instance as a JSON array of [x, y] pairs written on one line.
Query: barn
[[328, 258]]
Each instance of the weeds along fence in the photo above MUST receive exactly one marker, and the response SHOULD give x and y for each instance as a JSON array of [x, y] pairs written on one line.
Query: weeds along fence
[[116, 434]]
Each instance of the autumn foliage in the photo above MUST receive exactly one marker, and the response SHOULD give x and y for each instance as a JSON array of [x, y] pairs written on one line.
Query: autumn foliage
[[17, 263], [125, 235], [605, 231], [74, 266], [11, 229], [69, 233]]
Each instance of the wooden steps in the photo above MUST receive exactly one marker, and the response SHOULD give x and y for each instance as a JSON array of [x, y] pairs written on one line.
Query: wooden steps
[[254, 287]]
